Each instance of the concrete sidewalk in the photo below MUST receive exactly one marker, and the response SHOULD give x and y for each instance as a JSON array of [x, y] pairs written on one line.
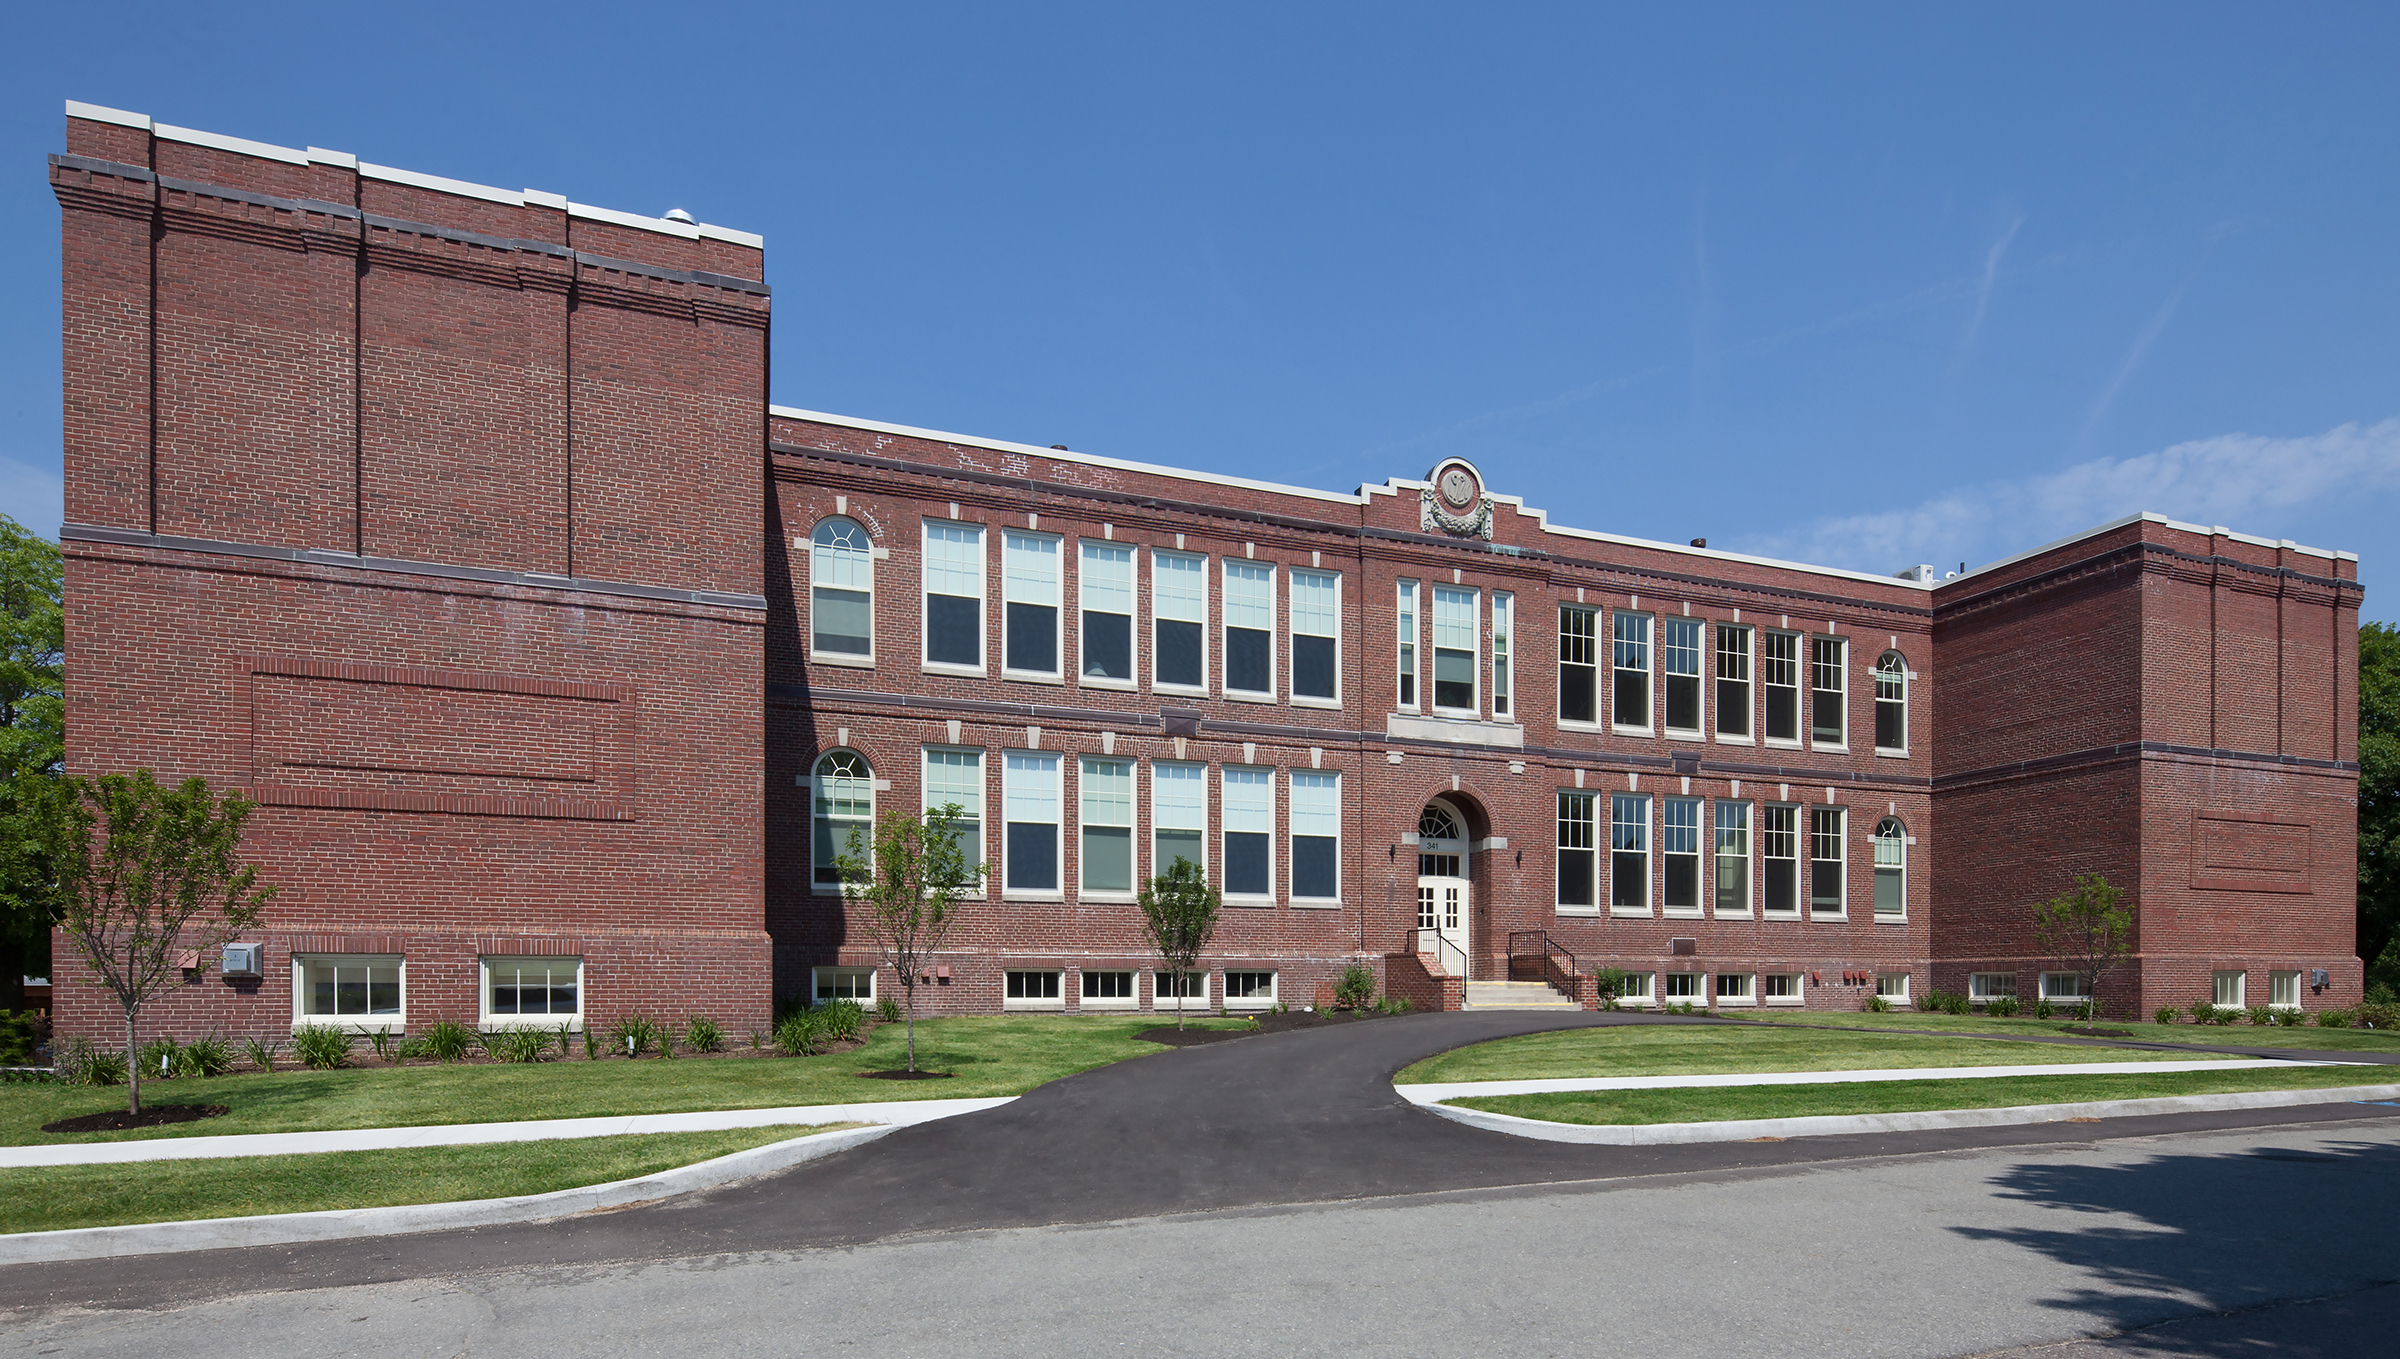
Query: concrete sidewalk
[[889, 1113], [1436, 1092]]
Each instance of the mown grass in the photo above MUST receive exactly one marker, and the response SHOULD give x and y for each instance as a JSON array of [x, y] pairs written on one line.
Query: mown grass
[[2307, 1037], [55, 1198], [1004, 1055], [1708, 1049], [1888, 1097]]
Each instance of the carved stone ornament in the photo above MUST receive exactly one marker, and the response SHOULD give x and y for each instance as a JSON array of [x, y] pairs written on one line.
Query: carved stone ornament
[[1455, 504]]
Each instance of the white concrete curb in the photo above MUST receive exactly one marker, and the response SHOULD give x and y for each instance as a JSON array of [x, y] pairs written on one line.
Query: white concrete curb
[[1831, 1125], [342, 1224], [1435, 1092]]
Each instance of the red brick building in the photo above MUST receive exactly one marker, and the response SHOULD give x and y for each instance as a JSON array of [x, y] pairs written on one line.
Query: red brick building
[[452, 525]]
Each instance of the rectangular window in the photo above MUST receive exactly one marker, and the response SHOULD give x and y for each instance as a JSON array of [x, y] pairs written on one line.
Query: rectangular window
[[1178, 815], [1825, 691], [1407, 659], [954, 595], [1991, 985], [537, 992], [1316, 836], [1733, 858], [360, 990], [956, 777], [1679, 661], [1249, 831], [1578, 664], [1109, 991], [1029, 789], [1629, 700], [1629, 853], [1316, 634], [1575, 852], [1504, 618], [1825, 861], [1179, 990], [1179, 623], [1779, 859], [1679, 848], [1684, 986], [1636, 988], [2283, 990], [1107, 797], [1780, 676], [1249, 990], [1030, 562], [1104, 585], [844, 983], [1249, 628], [1892, 986], [1032, 989], [2232, 988], [2066, 986], [1783, 988], [1733, 681], [1736, 988], [1454, 650]]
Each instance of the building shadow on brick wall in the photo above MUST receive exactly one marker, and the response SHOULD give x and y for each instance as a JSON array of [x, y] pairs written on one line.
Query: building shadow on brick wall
[[2173, 1234], [803, 931]]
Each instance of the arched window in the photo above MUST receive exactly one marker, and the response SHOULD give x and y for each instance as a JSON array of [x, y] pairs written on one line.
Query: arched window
[[1891, 702], [841, 578], [1891, 868], [844, 788]]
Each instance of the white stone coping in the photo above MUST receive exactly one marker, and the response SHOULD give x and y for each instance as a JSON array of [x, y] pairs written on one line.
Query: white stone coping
[[1434, 1093]]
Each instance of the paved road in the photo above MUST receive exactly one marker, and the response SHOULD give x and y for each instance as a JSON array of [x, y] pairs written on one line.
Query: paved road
[[1310, 1197]]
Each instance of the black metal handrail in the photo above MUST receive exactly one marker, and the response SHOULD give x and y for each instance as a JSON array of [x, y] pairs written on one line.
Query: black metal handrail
[[1547, 947]]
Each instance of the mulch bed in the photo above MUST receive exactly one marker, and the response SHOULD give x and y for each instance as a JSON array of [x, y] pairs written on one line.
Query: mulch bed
[[906, 1075], [1282, 1023], [156, 1115]]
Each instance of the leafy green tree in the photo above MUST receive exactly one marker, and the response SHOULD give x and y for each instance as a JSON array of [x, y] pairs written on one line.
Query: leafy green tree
[[164, 874], [1179, 917], [32, 747], [2379, 799], [2086, 932], [912, 880]]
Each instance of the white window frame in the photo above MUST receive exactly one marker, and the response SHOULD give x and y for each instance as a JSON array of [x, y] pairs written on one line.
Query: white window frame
[[1186, 1004], [1797, 996], [1197, 563], [2054, 988], [1236, 1004], [1747, 654], [1798, 859], [2234, 980], [1808, 887], [1895, 845], [1893, 987], [1669, 808], [1587, 826], [490, 1018], [1085, 1000], [1641, 825], [1322, 823], [815, 783], [1648, 993], [1226, 782], [982, 598], [1882, 677], [1085, 550], [1473, 636], [1250, 572], [1673, 989], [1084, 810], [1161, 806], [826, 559], [1596, 640], [826, 984], [2280, 984], [1010, 779], [1057, 975], [1014, 582], [1717, 857], [1332, 620], [1841, 648], [1746, 981], [1988, 986], [1701, 676], [1643, 645], [926, 803], [1504, 652], [1408, 646], [1798, 661], [395, 1021]]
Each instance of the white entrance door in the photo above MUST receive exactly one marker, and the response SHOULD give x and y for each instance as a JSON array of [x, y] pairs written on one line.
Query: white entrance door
[[1444, 909]]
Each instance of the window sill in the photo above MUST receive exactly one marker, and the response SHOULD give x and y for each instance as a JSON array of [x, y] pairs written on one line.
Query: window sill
[[1573, 724], [1830, 917], [354, 1023], [1724, 740], [845, 662], [1623, 730], [1732, 915], [1578, 912], [546, 1023], [1783, 742], [1308, 701], [1779, 915], [1316, 904], [1090, 1003], [1885, 753], [1787, 1002], [825, 889], [1179, 690], [1248, 1005], [940, 668], [1629, 913], [1108, 898], [1459, 714], [1035, 898], [1680, 913], [1736, 1003], [1103, 682], [1247, 696], [1830, 748], [1033, 1005], [1032, 677], [1883, 919], [1251, 903], [1675, 734]]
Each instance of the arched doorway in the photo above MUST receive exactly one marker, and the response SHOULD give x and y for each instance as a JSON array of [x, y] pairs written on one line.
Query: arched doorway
[[1445, 905]]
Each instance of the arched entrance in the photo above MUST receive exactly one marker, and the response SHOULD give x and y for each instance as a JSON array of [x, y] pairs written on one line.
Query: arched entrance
[[1445, 905]]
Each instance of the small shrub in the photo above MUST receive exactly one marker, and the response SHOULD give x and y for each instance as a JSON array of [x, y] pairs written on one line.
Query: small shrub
[[1875, 1004], [409, 1050], [209, 1055], [843, 1020], [2378, 1015], [701, 1034], [1959, 1004], [2292, 1018], [2333, 1019], [261, 1052], [1355, 987], [2082, 1010], [79, 1063], [670, 1038], [2043, 1009], [322, 1047], [591, 1043], [2262, 1015], [517, 1045], [24, 1075], [1402, 1005], [158, 1058], [887, 1010], [2000, 1007], [447, 1040], [2167, 1014], [21, 1031], [564, 1036], [381, 1041], [758, 1041], [633, 1035], [799, 1034]]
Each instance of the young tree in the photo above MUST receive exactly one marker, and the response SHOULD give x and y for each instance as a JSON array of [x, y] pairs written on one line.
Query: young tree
[[1179, 915], [2085, 932], [2379, 800], [912, 881], [165, 874], [32, 747]]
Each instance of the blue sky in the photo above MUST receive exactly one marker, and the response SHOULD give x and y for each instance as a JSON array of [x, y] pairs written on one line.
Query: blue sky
[[1868, 287]]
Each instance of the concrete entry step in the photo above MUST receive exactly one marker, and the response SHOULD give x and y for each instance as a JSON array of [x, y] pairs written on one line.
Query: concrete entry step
[[1515, 995]]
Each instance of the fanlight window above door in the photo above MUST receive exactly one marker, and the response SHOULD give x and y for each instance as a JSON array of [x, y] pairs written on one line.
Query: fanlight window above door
[[1436, 823]]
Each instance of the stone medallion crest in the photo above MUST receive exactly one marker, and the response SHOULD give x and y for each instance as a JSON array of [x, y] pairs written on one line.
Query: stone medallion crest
[[1453, 502]]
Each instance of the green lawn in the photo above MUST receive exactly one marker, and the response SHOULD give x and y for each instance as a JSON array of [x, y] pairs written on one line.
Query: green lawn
[[53, 1198], [1007, 1055], [1702, 1049], [1884, 1097], [2243, 1035]]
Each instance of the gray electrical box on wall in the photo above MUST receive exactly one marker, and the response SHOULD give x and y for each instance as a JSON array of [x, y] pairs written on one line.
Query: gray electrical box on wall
[[241, 960]]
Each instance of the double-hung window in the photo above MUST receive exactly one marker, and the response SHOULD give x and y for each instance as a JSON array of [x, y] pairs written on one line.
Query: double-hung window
[[1891, 869], [1316, 635], [1316, 836], [2232, 988], [1825, 862], [1629, 697], [1106, 792], [841, 592], [1406, 658], [1249, 629], [1029, 792], [1679, 662], [1578, 664], [1891, 704], [1733, 858], [1104, 582], [844, 789], [1629, 853], [954, 595], [1504, 618], [1679, 850], [1249, 831], [1454, 651], [1779, 673], [1779, 859], [1178, 815], [954, 778], [1179, 621], [1030, 562], [532, 992], [1576, 853], [1826, 691], [1733, 682]]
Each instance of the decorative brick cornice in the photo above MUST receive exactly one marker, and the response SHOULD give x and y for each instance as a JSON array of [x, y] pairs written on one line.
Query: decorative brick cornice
[[2159, 559]]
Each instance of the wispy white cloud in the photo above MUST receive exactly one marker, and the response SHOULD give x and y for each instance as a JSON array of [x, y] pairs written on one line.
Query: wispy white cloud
[[2131, 363], [2245, 481], [1983, 292], [33, 496]]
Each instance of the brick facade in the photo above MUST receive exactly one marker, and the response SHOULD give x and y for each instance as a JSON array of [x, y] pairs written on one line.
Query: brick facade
[[453, 527]]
